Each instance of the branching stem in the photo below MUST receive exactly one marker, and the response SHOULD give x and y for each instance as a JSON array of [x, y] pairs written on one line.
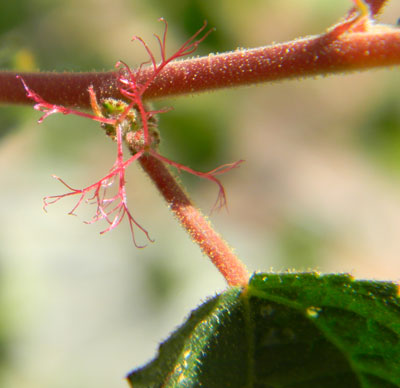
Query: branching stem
[[355, 43]]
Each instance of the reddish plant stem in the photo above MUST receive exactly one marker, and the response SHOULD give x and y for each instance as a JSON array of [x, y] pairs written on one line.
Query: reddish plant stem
[[301, 58], [195, 223], [322, 54], [68, 89]]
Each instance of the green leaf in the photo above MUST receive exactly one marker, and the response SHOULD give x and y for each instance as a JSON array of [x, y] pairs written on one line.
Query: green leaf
[[285, 331]]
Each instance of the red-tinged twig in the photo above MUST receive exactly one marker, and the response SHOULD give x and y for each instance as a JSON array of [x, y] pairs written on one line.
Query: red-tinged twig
[[372, 46], [113, 209], [191, 219]]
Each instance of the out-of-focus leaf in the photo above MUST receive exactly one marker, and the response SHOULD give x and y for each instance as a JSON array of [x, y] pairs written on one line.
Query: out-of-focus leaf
[[285, 330], [13, 13], [380, 134], [10, 119], [194, 137]]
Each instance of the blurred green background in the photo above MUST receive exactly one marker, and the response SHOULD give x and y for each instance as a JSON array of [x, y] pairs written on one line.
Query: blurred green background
[[320, 188]]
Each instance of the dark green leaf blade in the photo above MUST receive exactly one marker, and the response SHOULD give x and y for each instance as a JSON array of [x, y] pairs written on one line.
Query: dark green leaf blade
[[285, 331]]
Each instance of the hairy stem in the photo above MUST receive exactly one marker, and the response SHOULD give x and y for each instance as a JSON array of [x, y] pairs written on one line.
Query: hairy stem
[[195, 223], [323, 54]]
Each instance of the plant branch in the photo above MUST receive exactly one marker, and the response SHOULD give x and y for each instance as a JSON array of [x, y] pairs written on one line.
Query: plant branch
[[191, 219], [333, 52]]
